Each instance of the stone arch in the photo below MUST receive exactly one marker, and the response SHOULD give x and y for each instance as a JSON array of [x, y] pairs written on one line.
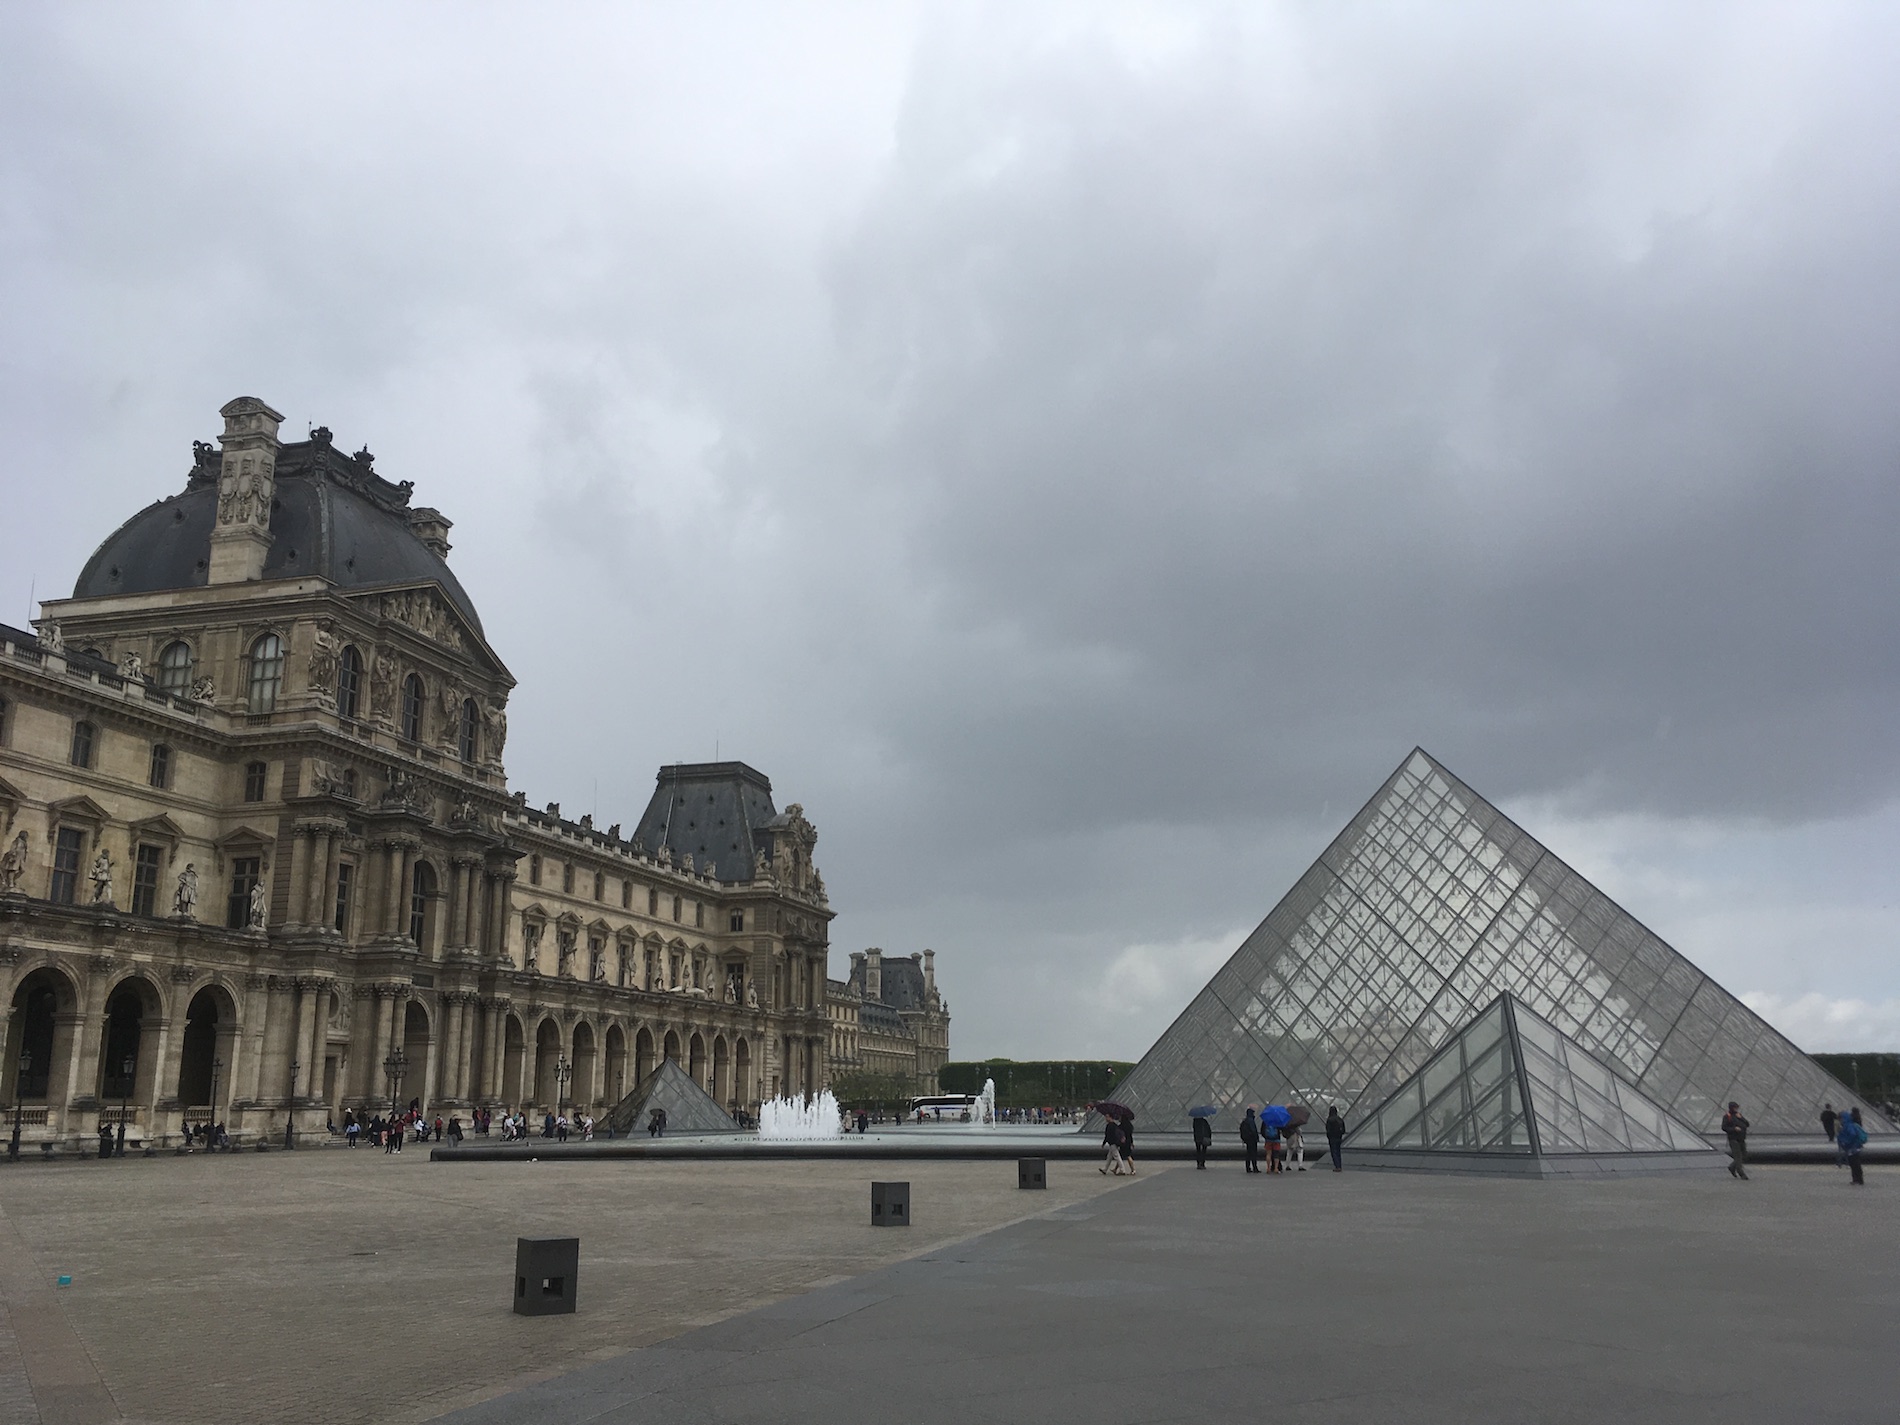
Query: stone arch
[[615, 1084], [134, 1011], [642, 1054], [722, 1071], [208, 1050], [547, 1059], [671, 1045], [583, 1088], [514, 1052], [696, 1059], [41, 1024], [418, 1044]]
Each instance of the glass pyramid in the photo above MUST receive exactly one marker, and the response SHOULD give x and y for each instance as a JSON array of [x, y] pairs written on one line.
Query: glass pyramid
[[689, 1108], [1428, 906], [1510, 1083]]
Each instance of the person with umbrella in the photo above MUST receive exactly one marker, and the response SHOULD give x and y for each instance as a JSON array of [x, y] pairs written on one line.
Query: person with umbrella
[[1250, 1139], [1295, 1140], [1114, 1129], [1273, 1122], [1203, 1134]]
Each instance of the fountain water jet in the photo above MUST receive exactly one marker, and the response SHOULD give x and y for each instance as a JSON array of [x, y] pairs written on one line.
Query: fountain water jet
[[802, 1120], [983, 1111]]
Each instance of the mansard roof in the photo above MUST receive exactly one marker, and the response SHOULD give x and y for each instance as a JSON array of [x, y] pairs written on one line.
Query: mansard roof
[[333, 517], [720, 812]]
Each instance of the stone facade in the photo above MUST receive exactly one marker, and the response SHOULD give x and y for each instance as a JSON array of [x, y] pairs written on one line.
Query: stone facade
[[259, 861], [889, 1021]]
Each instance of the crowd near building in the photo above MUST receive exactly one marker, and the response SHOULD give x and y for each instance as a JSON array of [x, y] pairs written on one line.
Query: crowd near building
[[260, 862]]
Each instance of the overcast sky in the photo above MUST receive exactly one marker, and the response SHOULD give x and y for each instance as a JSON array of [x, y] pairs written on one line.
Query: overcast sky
[[1075, 452]]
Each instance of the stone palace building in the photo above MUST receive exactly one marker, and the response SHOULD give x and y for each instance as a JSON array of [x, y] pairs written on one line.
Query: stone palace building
[[260, 863]]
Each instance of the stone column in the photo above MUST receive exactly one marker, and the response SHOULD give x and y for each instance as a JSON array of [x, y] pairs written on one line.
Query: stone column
[[300, 875], [392, 888], [405, 883], [379, 1046], [504, 912], [465, 1062], [449, 1008], [316, 1021], [246, 1084], [493, 1051], [323, 849], [458, 903]]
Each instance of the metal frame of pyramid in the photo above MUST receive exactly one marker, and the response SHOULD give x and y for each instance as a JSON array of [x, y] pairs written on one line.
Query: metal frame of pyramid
[[1511, 1093], [689, 1108], [1429, 905]]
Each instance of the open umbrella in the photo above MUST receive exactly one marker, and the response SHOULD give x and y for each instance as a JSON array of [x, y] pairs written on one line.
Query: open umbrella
[[1299, 1115], [1204, 1111], [1275, 1116], [1116, 1110]]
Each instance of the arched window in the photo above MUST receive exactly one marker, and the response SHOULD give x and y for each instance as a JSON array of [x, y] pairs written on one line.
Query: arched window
[[174, 669], [421, 892], [349, 681], [267, 673], [412, 708], [470, 730]]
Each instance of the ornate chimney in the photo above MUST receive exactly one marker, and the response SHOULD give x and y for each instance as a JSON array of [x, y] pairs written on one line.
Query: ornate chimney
[[874, 974], [930, 974], [432, 529], [247, 482]]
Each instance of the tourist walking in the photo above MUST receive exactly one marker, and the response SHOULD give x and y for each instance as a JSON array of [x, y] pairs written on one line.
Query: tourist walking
[[1735, 1129], [1296, 1147], [1203, 1140], [1112, 1141], [1852, 1138], [1127, 1145], [1828, 1119], [1335, 1134], [1250, 1139]]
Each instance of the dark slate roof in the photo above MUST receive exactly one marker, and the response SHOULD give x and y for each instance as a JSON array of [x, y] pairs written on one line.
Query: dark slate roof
[[719, 810], [883, 1019], [900, 982], [689, 1108], [333, 516]]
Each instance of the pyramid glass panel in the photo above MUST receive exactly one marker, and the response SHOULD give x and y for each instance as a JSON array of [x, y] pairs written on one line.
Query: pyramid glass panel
[[1431, 902]]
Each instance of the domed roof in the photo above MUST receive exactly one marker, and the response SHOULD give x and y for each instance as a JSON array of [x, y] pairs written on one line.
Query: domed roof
[[332, 516]]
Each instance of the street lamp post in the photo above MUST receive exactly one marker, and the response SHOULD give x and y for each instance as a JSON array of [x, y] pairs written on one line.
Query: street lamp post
[[290, 1109], [562, 1073], [392, 1069], [126, 1070], [13, 1148]]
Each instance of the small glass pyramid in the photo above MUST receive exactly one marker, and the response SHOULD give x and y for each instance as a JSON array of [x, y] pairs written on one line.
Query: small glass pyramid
[[1511, 1084], [1424, 910], [689, 1108]]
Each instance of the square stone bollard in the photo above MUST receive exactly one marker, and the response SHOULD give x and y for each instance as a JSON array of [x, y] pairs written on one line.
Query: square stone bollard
[[547, 1274], [1032, 1173], [890, 1204]]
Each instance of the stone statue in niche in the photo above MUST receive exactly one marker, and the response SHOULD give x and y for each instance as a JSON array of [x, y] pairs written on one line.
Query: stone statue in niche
[[101, 877], [13, 865], [382, 687], [185, 897], [751, 996], [497, 721], [325, 654], [259, 907], [732, 989], [761, 866]]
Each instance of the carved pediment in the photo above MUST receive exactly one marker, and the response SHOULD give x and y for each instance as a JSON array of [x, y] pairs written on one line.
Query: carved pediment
[[160, 830], [82, 810]]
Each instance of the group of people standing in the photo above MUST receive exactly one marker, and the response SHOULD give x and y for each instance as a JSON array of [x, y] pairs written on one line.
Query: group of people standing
[[1286, 1146], [1845, 1132]]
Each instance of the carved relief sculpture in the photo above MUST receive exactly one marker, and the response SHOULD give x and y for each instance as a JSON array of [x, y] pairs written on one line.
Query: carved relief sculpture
[[203, 690], [52, 638], [132, 668], [324, 657], [382, 688], [186, 896]]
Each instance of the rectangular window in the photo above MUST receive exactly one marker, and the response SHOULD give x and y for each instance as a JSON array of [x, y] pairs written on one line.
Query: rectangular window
[[737, 920], [161, 765], [677, 904], [534, 870], [66, 850], [600, 885], [699, 915], [145, 880], [254, 774], [653, 901], [237, 910], [82, 744], [567, 878], [345, 879], [626, 895]]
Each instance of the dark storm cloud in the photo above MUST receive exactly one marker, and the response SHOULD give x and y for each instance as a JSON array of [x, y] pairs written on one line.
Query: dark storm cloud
[[1076, 453]]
